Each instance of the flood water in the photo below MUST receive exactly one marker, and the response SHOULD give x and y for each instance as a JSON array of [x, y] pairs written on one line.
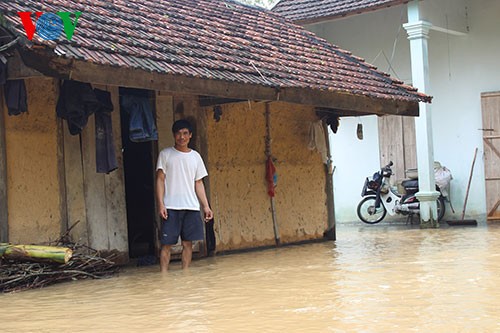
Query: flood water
[[381, 278]]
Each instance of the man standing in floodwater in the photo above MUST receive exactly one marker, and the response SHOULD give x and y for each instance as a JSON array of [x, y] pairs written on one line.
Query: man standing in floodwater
[[179, 194]]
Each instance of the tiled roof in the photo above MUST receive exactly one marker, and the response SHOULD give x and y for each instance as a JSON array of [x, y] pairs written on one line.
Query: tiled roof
[[310, 11], [211, 40]]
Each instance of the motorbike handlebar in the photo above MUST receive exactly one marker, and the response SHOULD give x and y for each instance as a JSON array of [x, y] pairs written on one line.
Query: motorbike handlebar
[[387, 168], [388, 165]]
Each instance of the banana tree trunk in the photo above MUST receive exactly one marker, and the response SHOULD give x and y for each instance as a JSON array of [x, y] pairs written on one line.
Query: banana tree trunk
[[36, 253]]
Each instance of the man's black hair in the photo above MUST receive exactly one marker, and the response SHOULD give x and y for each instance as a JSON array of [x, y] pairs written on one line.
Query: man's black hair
[[180, 124]]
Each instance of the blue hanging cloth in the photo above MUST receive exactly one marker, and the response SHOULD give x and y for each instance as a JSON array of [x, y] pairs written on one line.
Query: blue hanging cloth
[[142, 124]]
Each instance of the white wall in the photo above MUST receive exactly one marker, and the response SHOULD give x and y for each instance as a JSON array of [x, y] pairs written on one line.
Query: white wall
[[461, 68], [354, 160]]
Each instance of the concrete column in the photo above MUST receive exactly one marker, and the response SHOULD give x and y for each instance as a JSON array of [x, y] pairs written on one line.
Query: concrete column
[[418, 34]]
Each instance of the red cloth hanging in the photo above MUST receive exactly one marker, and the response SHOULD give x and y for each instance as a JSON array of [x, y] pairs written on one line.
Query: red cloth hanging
[[270, 176]]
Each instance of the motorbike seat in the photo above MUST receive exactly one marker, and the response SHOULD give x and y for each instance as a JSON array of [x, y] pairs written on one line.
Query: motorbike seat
[[410, 183]]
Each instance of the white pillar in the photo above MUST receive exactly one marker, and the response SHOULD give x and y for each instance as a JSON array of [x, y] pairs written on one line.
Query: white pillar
[[418, 34]]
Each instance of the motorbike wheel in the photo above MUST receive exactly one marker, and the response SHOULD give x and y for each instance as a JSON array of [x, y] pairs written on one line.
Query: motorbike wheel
[[440, 208], [367, 212]]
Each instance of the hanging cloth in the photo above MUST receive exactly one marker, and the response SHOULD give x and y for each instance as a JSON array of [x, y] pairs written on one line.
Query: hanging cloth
[[317, 139], [15, 97], [105, 157], [142, 126], [77, 101], [3, 69]]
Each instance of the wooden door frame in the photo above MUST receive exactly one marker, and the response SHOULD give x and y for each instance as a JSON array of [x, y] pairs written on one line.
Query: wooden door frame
[[4, 222], [488, 144]]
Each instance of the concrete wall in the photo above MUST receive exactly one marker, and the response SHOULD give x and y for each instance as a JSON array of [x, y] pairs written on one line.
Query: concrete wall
[[34, 203], [461, 68], [238, 189]]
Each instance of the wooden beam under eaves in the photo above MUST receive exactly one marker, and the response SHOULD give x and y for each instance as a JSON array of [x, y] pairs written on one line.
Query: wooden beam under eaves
[[340, 113], [45, 62], [16, 69], [211, 100]]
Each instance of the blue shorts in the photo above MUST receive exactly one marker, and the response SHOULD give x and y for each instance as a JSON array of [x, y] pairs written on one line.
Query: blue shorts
[[184, 223]]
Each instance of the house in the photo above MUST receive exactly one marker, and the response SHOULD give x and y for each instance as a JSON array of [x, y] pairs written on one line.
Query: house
[[255, 86], [462, 46]]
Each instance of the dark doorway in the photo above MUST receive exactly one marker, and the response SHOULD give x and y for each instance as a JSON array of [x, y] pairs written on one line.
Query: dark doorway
[[139, 170]]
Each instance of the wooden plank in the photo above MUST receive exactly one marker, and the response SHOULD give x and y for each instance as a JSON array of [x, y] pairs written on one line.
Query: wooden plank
[[75, 198], [95, 191], [202, 130], [62, 179], [491, 94], [493, 210], [493, 148], [391, 143], [61, 167], [409, 144], [397, 143], [136, 78], [114, 186], [4, 221], [492, 197], [104, 194]]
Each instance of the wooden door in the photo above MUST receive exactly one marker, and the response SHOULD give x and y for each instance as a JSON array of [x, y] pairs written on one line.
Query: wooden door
[[397, 143], [490, 104]]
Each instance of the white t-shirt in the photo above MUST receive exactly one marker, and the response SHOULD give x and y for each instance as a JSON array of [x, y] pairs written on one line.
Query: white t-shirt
[[181, 170]]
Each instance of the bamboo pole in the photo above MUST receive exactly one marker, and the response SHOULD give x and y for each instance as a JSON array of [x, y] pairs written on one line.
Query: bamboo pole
[[36, 253], [330, 233], [277, 237]]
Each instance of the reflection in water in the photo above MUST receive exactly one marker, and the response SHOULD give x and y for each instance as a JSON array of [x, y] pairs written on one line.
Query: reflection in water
[[383, 278]]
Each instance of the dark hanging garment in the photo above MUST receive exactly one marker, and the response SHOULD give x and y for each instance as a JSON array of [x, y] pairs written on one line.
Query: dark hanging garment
[[210, 237], [104, 145], [3, 71], [77, 101], [15, 97], [142, 126]]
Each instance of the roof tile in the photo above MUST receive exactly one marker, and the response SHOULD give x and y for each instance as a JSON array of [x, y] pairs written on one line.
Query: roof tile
[[209, 39], [309, 11]]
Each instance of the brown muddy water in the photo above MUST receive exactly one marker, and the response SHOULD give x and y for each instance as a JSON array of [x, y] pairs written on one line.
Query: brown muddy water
[[381, 278]]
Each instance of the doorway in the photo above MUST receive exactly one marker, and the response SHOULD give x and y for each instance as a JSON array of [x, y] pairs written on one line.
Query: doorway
[[139, 171]]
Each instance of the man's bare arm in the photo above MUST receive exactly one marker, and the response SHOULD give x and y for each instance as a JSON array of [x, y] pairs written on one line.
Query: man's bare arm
[[202, 196], [160, 192]]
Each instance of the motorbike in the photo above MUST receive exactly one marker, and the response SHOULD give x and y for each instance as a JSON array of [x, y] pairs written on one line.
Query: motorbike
[[380, 198]]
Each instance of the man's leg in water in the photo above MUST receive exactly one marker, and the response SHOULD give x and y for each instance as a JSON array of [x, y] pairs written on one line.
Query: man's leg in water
[[187, 253], [165, 257]]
